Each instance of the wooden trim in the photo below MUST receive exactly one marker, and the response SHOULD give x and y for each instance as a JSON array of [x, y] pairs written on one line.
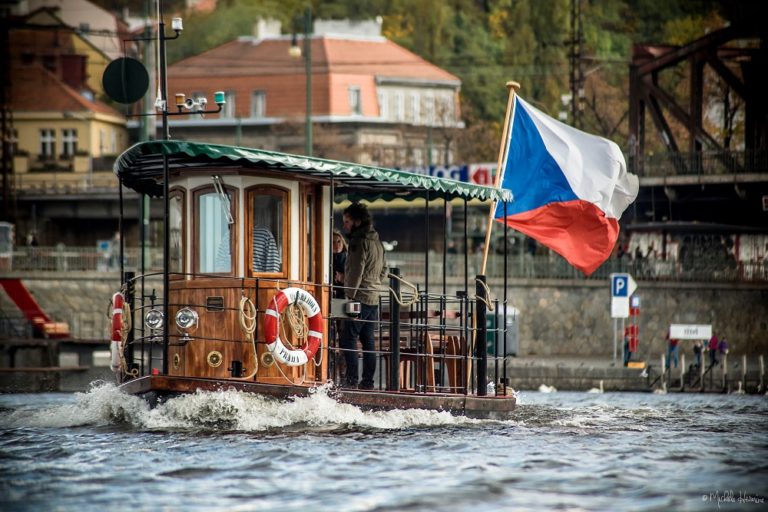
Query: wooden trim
[[315, 248], [285, 195], [233, 238], [304, 190], [175, 192], [321, 249]]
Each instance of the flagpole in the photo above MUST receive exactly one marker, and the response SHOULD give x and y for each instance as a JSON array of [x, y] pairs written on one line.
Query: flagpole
[[512, 87]]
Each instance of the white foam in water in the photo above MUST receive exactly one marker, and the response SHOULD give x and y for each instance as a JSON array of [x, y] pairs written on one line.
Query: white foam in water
[[104, 404]]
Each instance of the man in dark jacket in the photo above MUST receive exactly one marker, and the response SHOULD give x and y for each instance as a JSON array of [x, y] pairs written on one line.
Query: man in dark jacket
[[363, 272]]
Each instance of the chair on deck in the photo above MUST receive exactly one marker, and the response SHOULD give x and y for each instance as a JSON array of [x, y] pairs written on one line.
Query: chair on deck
[[413, 357]]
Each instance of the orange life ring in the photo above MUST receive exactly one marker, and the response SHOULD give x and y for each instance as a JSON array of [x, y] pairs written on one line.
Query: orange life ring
[[117, 326], [307, 302]]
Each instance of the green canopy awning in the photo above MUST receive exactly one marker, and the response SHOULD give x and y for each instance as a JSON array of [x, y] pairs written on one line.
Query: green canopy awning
[[140, 168]]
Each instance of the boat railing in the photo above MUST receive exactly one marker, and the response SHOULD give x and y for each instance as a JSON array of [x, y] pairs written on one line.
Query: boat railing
[[444, 346]]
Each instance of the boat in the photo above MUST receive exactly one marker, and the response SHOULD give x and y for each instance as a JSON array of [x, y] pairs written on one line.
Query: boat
[[217, 318]]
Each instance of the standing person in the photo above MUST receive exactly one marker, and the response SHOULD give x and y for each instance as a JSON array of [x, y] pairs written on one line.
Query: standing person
[[697, 349], [723, 347], [672, 344], [339, 260], [266, 257], [713, 347], [627, 353], [364, 270]]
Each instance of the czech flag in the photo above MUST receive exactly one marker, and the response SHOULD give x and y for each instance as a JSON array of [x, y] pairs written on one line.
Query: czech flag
[[570, 188]]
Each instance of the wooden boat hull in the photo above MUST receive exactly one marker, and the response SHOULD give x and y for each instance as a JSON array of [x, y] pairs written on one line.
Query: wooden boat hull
[[156, 388]]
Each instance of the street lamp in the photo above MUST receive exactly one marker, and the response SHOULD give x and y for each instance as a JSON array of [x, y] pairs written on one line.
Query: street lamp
[[295, 52]]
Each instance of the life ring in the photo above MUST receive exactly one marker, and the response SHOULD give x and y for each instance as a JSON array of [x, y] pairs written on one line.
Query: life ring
[[307, 302], [115, 346]]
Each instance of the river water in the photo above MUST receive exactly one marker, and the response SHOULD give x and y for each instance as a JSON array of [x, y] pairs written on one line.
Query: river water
[[228, 451]]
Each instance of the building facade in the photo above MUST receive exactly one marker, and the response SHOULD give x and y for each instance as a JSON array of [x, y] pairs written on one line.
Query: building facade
[[372, 101]]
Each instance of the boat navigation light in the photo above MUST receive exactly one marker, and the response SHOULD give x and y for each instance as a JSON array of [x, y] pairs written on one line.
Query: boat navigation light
[[177, 25], [219, 97], [154, 319], [186, 319]]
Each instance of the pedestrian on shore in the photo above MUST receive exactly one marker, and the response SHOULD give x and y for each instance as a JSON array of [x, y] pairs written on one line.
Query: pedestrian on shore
[[672, 345], [627, 353], [723, 347], [713, 347], [697, 349]]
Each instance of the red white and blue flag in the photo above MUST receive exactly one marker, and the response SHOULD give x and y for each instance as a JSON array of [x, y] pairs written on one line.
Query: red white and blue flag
[[570, 188]]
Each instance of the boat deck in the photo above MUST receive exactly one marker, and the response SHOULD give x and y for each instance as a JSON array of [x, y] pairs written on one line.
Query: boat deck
[[157, 388]]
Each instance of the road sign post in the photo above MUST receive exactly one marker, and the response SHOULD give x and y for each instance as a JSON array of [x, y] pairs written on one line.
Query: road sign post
[[622, 288]]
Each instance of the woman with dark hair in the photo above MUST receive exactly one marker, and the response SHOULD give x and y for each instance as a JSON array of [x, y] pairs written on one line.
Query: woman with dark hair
[[339, 260]]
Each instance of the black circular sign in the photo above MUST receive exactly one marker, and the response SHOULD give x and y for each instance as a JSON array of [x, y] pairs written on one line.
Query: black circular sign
[[125, 80]]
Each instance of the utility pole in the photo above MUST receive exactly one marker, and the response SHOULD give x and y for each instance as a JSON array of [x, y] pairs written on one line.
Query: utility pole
[[308, 71], [577, 69], [6, 126]]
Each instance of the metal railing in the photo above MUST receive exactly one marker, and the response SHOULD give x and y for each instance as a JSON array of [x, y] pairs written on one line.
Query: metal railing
[[65, 259], [708, 163], [553, 266], [544, 266]]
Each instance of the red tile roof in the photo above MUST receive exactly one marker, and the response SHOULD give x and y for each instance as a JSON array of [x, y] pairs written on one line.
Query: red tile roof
[[372, 56], [245, 65], [35, 89]]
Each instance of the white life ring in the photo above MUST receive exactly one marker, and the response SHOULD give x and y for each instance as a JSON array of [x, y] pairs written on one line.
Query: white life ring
[[115, 346], [303, 298]]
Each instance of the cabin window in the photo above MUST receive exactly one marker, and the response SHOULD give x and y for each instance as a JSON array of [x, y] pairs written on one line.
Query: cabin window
[[267, 229], [176, 230], [215, 231]]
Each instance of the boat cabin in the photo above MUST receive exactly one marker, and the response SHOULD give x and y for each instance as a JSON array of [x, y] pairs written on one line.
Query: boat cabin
[[248, 269]]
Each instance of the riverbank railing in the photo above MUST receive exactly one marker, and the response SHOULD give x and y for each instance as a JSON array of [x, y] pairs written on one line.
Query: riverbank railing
[[523, 266]]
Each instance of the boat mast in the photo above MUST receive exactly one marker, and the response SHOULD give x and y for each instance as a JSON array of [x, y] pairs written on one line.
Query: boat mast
[[166, 174]]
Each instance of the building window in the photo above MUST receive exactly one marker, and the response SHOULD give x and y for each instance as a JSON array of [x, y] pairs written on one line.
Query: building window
[[228, 111], [418, 157], [102, 141], [68, 142], [259, 104], [355, 100], [445, 111], [47, 144], [398, 106], [415, 108], [383, 107], [429, 109], [14, 141], [112, 142]]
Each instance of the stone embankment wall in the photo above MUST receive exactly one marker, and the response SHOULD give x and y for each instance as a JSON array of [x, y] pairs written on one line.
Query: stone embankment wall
[[557, 318], [572, 318]]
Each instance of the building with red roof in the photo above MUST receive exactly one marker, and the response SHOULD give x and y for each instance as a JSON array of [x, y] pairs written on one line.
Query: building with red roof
[[372, 100]]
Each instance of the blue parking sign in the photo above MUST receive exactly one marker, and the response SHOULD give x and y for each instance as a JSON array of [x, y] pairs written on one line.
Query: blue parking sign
[[620, 285]]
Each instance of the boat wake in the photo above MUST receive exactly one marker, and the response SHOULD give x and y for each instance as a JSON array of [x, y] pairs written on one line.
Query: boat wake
[[228, 410]]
